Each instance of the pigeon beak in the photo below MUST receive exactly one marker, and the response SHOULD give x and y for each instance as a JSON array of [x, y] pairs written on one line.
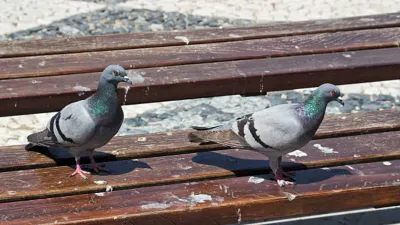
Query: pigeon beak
[[127, 80], [340, 101]]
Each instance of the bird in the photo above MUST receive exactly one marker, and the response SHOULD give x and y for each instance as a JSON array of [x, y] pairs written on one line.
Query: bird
[[273, 131], [82, 126]]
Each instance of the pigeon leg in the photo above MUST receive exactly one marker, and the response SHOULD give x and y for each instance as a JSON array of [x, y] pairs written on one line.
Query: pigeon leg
[[289, 175], [96, 166], [79, 171], [274, 163]]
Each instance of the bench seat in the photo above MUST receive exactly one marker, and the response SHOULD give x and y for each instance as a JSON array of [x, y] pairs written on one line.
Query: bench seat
[[352, 162]]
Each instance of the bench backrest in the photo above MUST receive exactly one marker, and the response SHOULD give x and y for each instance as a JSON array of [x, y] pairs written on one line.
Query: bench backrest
[[44, 75]]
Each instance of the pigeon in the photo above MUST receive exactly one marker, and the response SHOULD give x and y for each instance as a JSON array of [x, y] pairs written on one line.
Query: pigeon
[[83, 126], [273, 131]]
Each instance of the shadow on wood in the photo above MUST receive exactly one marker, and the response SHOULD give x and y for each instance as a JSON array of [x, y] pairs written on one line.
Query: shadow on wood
[[252, 167]]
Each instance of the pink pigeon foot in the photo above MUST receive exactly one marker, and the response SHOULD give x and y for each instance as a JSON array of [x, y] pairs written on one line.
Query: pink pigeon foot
[[80, 172], [280, 180], [96, 167]]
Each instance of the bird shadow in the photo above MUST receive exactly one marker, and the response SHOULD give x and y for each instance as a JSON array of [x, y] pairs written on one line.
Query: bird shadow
[[123, 167], [62, 157], [260, 168]]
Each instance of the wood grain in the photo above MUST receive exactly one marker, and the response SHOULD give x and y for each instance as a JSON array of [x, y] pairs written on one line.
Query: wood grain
[[224, 201], [190, 54], [54, 181], [250, 77], [162, 39], [176, 142]]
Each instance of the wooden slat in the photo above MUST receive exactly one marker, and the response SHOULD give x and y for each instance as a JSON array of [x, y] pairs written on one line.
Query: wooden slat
[[178, 55], [46, 94], [176, 142], [160, 39], [54, 181], [219, 201]]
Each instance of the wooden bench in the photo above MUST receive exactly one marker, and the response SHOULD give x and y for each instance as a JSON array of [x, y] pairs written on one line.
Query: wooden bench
[[162, 178]]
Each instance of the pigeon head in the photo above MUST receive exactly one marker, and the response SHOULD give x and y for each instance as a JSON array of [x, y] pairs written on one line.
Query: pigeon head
[[115, 74], [329, 92], [315, 105]]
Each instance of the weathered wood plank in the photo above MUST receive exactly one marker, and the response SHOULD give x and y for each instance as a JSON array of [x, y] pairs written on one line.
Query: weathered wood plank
[[54, 181], [161, 39], [189, 54], [219, 201], [45, 94], [176, 142]]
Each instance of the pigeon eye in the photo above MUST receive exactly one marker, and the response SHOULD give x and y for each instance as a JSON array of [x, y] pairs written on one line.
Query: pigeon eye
[[116, 73], [333, 92]]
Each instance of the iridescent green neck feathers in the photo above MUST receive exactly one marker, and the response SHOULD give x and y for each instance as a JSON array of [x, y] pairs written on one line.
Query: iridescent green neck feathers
[[315, 105]]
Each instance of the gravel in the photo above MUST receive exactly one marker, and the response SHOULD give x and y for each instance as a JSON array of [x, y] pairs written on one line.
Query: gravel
[[114, 19], [160, 117], [183, 114]]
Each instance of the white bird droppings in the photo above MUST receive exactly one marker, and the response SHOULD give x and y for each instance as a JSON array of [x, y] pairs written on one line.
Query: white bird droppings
[[325, 150], [42, 63], [184, 167], [239, 216], [347, 55], [298, 153], [142, 139], [109, 188], [157, 205], [81, 88], [183, 38], [100, 194], [356, 155], [100, 182], [386, 163], [255, 180], [224, 187], [200, 198], [234, 35], [350, 167], [11, 192], [290, 196], [219, 199]]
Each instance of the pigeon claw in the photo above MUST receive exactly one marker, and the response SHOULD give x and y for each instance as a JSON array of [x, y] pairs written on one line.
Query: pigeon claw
[[282, 183], [279, 176], [97, 167], [80, 172]]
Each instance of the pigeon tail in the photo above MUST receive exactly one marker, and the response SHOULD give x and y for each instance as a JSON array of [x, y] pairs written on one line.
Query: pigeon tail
[[226, 138], [42, 138], [38, 137], [193, 137]]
